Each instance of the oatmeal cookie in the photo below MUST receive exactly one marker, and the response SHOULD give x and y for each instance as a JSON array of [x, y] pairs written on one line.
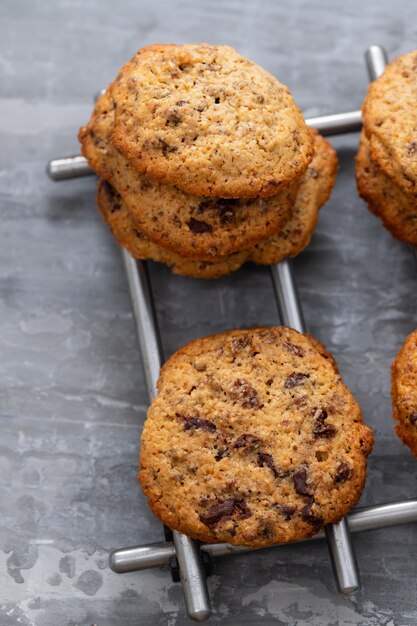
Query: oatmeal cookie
[[208, 120]]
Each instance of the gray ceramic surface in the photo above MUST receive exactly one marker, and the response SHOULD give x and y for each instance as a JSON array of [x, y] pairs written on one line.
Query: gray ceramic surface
[[72, 396]]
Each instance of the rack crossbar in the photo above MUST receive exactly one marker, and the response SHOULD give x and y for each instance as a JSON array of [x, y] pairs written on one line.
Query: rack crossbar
[[360, 520]]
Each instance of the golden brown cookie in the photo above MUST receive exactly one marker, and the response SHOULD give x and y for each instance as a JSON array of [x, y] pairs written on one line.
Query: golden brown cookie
[[209, 121], [314, 191], [253, 439], [396, 210], [404, 392], [199, 227], [390, 122]]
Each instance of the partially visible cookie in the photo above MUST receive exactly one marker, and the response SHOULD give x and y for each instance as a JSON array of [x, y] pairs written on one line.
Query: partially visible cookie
[[314, 191], [397, 211], [253, 439], [209, 121], [199, 227], [404, 392], [390, 122]]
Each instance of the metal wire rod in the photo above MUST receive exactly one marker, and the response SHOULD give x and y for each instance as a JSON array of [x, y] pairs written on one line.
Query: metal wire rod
[[337, 124], [338, 537], [360, 520], [376, 61], [145, 320], [68, 167], [186, 550]]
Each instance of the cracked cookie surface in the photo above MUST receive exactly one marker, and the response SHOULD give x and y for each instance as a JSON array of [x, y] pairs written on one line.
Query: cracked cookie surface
[[209, 121], [253, 439], [404, 392], [199, 227], [390, 122], [314, 191]]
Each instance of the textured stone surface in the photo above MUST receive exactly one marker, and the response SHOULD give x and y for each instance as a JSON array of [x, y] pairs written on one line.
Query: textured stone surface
[[72, 396]]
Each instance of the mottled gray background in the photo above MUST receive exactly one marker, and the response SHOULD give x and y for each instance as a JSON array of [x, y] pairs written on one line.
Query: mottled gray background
[[71, 384]]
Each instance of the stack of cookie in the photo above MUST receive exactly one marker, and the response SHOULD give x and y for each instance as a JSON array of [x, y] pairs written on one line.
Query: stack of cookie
[[386, 165], [205, 161]]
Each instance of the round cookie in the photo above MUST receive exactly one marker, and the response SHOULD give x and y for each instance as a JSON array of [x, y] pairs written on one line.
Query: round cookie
[[253, 439], [404, 392], [390, 122], [200, 227], [315, 189], [396, 210], [209, 121]]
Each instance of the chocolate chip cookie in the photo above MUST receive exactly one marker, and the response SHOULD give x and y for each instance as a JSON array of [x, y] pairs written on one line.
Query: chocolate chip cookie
[[390, 122], [387, 201], [404, 392], [197, 227], [209, 121], [315, 189], [253, 439]]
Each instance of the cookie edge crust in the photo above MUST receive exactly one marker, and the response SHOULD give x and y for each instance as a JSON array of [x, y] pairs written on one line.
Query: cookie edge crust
[[406, 433]]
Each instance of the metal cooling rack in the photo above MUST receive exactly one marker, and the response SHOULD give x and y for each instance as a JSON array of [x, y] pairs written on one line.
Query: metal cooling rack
[[188, 559]]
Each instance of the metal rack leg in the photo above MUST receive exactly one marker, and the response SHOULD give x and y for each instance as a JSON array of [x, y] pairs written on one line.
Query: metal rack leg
[[145, 320], [289, 307], [190, 561], [338, 536], [376, 60], [64, 168]]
